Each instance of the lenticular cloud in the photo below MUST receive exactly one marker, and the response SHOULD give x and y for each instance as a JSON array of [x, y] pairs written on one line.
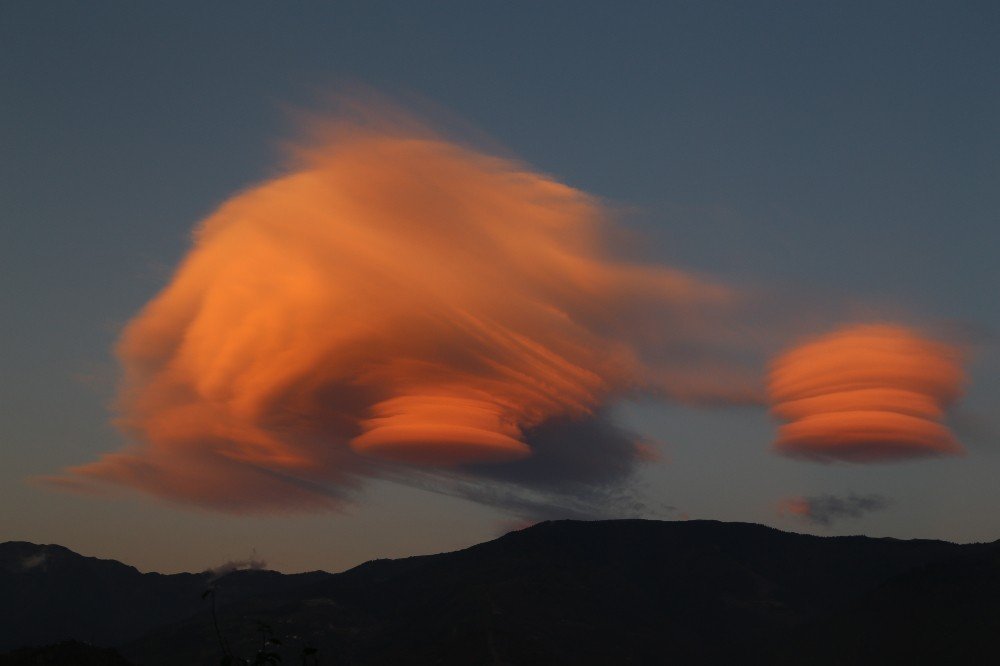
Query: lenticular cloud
[[865, 394], [394, 297], [826, 510]]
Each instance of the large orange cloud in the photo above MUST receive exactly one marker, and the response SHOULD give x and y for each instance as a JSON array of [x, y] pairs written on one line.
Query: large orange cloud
[[866, 393], [395, 296]]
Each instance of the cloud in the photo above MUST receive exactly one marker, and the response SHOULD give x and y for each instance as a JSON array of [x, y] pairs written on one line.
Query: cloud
[[571, 454], [538, 504], [226, 568], [34, 561], [394, 301], [827, 509], [866, 393]]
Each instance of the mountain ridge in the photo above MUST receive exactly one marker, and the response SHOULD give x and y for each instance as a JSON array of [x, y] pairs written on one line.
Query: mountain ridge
[[567, 592]]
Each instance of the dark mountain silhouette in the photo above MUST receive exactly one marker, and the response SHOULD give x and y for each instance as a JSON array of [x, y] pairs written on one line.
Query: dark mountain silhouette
[[49, 593], [947, 611], [64, 653], [565, 592]]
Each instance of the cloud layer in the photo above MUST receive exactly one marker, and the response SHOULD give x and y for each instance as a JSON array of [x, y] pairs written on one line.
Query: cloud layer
[[397, 298], [866, 393]]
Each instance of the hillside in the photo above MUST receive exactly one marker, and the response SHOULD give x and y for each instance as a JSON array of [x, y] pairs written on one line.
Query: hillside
[[566, 592]]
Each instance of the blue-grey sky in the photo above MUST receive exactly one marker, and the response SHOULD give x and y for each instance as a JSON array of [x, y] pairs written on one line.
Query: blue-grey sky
[[841, 157]]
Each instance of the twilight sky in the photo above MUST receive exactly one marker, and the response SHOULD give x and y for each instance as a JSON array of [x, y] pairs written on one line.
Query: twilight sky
[[330, 283]]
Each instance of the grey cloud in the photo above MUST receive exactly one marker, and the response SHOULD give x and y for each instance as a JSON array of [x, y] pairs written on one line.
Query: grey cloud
[[825, 510]]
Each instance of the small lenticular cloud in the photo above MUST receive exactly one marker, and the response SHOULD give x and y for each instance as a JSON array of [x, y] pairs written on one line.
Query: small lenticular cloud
[[827, 509], [866, 393]]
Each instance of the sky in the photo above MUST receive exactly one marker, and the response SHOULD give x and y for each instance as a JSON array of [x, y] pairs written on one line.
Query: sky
[[317, 283]]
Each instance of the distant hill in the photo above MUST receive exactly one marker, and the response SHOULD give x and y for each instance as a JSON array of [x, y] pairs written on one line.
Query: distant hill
[[49, 593], [565, 592]]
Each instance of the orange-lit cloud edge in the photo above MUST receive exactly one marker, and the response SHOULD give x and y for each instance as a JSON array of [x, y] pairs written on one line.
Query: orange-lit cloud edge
[[399, 298], [866, 393]]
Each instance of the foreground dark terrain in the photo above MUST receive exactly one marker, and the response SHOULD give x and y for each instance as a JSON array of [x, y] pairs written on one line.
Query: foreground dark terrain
[[613, 592]]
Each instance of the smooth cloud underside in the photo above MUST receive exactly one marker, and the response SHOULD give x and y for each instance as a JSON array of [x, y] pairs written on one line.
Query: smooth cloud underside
[[398, 297], [866, 393]]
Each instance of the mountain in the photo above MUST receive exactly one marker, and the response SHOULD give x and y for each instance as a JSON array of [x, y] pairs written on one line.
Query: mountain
[[64, 653], [564, 592], [49, 593]]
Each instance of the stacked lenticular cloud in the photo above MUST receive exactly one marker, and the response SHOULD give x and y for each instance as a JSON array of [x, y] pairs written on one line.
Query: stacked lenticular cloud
[[866, 393], [399, 297]]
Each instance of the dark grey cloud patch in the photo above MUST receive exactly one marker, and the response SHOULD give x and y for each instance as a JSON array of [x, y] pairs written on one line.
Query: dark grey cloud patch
[[536, 503], [826, 510], [580, 469], [598, 504], [570, 456]]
